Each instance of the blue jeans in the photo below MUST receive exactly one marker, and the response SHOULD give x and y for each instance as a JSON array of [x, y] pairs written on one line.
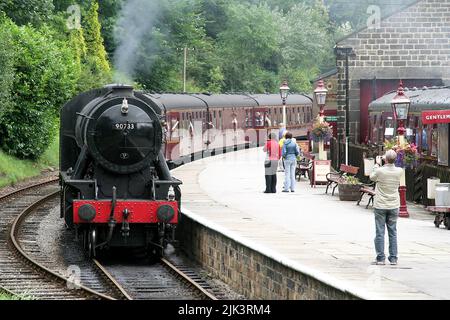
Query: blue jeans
[[386, 218], [289, 172]]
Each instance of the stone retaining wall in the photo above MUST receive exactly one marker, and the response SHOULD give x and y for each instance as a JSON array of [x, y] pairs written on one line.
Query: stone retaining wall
[[249, 272]]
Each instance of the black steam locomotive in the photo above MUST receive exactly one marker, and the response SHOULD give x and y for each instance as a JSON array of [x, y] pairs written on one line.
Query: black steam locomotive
[[117, 189]]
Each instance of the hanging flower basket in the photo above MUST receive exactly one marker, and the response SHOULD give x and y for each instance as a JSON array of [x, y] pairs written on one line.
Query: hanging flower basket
[[321, 131], [407, 153]]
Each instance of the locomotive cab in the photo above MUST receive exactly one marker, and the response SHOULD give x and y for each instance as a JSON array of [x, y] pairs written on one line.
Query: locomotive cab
[[116, 187]]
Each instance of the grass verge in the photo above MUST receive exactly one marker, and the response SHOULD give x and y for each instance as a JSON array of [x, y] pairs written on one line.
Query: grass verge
[[13, 170]]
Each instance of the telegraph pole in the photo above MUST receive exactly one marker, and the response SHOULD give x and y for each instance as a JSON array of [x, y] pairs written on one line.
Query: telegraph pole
[[185, 54]]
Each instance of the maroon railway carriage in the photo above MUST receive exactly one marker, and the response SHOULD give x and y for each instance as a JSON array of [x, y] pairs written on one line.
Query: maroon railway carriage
[[199, 125]]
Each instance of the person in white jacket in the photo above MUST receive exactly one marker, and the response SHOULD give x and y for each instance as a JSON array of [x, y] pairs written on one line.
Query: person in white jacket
[[386, 206]]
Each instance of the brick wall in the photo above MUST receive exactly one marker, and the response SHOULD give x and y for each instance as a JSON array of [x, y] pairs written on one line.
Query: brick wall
[[248, 272], [411, 44]]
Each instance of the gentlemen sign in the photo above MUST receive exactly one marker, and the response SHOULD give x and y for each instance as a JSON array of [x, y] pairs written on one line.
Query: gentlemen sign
[[438, 116]]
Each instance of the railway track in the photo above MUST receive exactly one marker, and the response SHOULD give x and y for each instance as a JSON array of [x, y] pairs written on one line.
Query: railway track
[[21, 271], [33, 271], [160, 281]]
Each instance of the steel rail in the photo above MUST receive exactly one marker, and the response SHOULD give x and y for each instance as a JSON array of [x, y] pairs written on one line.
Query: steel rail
[[167, 264], [17, 247], [24, 189], [112, 280], [188, 279]]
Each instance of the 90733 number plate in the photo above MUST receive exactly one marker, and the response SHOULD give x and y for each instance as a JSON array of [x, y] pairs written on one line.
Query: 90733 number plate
[[124, 126]]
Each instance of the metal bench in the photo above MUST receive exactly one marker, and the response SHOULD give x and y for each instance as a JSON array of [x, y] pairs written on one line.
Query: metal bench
[[334, 178], [368, 189]]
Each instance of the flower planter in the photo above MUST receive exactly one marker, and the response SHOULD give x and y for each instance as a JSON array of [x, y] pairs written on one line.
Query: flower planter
[[349, 192]]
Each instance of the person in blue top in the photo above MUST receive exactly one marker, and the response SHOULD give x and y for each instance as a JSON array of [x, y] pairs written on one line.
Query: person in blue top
[[290, 153]]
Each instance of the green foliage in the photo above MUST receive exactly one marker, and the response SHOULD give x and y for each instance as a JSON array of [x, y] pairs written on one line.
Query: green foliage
[[27, 11], [13, 169], [300, 25], [239, 46], [7, 57], [249, 47], [44, 80], [346, 179], [94, 41]]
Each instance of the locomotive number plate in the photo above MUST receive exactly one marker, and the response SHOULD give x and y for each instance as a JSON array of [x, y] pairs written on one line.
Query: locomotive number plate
[[124, 126]]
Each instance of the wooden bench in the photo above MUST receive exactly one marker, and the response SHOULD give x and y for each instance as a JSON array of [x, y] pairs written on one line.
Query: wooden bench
[[334, 178], [367, 189], [304, 166]]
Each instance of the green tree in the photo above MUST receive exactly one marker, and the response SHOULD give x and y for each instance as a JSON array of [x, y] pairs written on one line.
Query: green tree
[[249, 46], [94, 41], [7, 57], [22, 12], [160, 54], [302, 58], [44, 79]]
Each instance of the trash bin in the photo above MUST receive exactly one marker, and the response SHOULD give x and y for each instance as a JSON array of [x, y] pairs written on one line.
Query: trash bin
[[443, 195], [431, 187]]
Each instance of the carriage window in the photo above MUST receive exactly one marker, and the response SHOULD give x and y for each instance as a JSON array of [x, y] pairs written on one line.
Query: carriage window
[[248, 119], [259, 119]]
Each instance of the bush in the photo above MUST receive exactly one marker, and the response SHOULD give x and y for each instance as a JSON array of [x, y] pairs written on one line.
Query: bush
[[44, 79], [6, 71]]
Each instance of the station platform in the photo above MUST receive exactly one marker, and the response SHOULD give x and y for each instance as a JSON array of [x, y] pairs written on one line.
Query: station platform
[[315, 233]]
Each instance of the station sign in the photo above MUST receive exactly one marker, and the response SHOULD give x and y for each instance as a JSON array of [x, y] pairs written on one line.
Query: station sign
[[320, 170], [437, 116], [331, 119]]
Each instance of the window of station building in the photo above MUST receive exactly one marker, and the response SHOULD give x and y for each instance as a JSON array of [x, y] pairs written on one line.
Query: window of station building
[[411, 130], [424, 140], [380, 129], [374, 129], [434, 141]]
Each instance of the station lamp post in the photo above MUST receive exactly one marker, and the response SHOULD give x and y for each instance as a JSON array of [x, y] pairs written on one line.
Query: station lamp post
[[284, 92], [321, 97], [400, 107]]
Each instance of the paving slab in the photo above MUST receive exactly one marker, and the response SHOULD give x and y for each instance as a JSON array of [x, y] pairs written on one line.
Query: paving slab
[[315, 233]]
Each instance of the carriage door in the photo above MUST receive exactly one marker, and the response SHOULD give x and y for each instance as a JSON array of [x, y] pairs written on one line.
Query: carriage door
[[173, 136], [259, 120]]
